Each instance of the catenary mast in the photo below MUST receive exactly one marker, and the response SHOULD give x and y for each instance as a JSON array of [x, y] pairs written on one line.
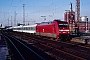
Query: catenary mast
[[77, 12], [77, 16]]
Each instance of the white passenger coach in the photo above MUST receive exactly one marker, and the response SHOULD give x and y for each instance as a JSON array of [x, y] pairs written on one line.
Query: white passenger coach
[[26, 28]]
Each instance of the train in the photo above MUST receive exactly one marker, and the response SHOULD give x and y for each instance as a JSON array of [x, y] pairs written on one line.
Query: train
[[55, 29]]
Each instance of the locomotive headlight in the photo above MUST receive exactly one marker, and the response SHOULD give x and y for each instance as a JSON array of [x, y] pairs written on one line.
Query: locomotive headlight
[[66, 30], [60, 30], [63, 30]]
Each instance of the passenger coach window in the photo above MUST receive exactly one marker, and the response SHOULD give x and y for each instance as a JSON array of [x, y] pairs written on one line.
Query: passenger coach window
[[24, 28], [31, 28], [34, 28]]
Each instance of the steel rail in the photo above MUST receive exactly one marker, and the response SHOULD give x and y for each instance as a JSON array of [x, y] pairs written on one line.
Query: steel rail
[[15, 47], [28, 48]]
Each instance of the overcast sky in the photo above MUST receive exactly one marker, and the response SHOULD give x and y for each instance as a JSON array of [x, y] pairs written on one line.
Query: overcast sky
[[34, 9]]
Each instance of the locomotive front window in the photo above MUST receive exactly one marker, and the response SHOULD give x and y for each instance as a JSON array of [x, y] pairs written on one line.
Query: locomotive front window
[[62, 25]]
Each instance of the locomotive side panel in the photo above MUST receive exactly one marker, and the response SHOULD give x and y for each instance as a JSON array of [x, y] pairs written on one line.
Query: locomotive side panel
[[46, 30]]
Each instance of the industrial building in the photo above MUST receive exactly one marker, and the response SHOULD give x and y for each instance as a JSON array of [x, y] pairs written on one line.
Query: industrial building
[[84, 24], [75, 21], [70, 18]]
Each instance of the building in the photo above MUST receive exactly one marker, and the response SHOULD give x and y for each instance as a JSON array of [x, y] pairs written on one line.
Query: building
[[69, 16], [84, 24]]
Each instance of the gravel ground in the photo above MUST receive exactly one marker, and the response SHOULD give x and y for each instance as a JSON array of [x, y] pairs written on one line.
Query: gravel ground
[[3, 49], [80, 40], [3, 52]]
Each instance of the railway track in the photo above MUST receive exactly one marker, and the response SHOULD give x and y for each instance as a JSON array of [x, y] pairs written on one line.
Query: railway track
[[57, 49], [19, 50]]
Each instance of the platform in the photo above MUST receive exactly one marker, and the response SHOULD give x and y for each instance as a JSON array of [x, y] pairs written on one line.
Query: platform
[[3, 49], [82, 39]]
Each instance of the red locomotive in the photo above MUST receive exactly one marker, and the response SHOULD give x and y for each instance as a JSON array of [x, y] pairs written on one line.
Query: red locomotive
[[56, 29]]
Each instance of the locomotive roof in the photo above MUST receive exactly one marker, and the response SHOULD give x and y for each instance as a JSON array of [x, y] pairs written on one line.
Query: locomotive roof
[[50, 22], [44, 23], [59, 21]]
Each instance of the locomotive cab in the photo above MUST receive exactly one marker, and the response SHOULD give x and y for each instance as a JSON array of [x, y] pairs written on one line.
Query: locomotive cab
[[63, 32], [63, 29]]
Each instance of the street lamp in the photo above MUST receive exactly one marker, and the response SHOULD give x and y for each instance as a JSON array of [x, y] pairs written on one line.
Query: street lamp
[[44, 17]]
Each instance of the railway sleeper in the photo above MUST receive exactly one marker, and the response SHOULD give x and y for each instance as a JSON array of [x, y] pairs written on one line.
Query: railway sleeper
[[74, 52], [64, 55]]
